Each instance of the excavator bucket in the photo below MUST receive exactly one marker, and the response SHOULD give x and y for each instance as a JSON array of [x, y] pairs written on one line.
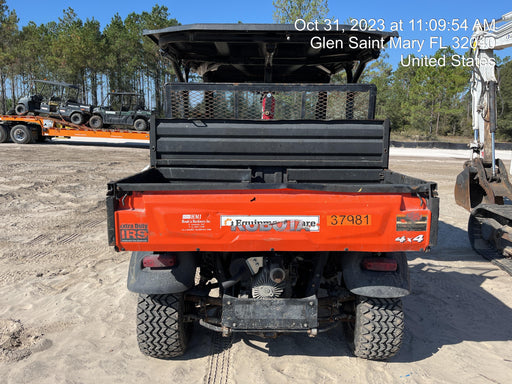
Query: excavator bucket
[[462, 190], [476, 185], [473, 185]]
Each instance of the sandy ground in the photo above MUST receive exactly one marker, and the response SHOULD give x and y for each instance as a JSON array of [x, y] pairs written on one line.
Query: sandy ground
[[67, 317]]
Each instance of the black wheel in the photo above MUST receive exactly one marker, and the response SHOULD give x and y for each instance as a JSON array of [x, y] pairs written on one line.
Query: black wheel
[[140, 124], [21, 109], [378, 328], [3, 134], [21, 134], [161, 331], [77, 118], [96, 121]]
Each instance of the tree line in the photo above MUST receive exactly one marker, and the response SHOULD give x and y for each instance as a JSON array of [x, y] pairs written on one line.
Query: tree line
[[117, 58], [421, 101], [433, 101]]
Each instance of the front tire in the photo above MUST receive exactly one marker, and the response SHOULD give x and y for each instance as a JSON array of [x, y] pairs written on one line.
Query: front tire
[[378, 328], [140, 125], [21, 134], [77, 118], [161, 330], [96, 122]]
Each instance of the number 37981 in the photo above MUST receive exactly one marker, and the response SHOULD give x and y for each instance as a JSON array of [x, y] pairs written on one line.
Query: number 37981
[[341, 220]]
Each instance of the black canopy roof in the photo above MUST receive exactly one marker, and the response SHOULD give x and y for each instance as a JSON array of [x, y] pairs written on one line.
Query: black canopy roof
[[268, 52]]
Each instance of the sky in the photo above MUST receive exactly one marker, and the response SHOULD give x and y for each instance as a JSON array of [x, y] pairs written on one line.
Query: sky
[[407, 16]]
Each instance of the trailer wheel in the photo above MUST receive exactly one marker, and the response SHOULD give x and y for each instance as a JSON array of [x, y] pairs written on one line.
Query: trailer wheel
[[161, 331], [21, 109], [140, 125], [77, 118], [3, 134], [21, 134], [377, 330], [96, 122]]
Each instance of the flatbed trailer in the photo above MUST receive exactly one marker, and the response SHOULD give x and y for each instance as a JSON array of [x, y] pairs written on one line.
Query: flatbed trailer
[[32, 129]]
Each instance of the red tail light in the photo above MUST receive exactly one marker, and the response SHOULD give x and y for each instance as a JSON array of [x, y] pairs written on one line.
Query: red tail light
[[380, 264], [163, 260]]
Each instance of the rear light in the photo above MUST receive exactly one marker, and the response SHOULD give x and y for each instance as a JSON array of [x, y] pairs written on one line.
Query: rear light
[[380, 264], [164, 260]]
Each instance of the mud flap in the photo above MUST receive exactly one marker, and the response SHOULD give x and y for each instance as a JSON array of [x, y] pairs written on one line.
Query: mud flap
[[161, 281], [241, 314], [362, 282]]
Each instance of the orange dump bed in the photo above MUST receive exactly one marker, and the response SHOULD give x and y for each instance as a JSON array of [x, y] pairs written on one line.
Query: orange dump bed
[[271, 219]]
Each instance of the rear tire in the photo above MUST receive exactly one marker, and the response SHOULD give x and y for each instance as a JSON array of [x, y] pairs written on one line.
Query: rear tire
[[77, 118], [96, 122], [21, 109], [21, 134], [3, 134], [140, 125], [378, 328], [161, 331]]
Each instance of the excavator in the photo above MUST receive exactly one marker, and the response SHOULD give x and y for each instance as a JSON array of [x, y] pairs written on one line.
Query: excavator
[[483, 187]]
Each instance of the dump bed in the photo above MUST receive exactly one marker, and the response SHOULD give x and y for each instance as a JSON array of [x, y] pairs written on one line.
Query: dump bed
[[243, 184], [150, 212]]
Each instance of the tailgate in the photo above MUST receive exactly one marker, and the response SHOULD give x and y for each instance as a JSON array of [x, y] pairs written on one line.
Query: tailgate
[[266, 220]]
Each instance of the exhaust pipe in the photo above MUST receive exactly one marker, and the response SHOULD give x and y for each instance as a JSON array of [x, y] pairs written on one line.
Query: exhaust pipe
[[277, 275]]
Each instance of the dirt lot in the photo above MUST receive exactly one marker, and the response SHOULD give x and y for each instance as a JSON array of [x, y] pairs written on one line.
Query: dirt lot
[[67, 317]]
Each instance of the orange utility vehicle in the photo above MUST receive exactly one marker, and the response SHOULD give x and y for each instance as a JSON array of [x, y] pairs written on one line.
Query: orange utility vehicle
[[32, 129], [268, 207]]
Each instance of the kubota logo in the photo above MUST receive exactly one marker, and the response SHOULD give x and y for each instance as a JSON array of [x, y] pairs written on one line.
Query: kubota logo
[[271, 223]]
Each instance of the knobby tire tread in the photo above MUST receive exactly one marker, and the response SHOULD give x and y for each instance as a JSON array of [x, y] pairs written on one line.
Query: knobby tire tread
[[161, 332], [379, 328]]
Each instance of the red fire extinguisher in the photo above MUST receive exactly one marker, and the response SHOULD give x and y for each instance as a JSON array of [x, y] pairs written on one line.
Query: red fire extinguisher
[[268, 107]]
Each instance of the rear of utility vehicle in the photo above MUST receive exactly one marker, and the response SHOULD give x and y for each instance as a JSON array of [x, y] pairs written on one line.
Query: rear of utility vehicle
[[269, 207]]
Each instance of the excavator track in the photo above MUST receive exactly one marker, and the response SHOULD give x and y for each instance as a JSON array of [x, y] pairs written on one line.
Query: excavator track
[[490, 234]]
